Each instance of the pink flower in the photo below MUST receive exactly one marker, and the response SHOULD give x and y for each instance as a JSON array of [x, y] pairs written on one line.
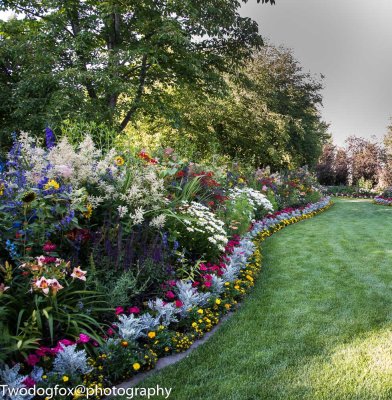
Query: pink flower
[[170, 295], [79, 274], [95, 343], [29, 382], [83, 338], [178, 303], [134, 310], [171, 283], [207, 284], [110, 332], [119, 310], [32, 359], [195, 283]]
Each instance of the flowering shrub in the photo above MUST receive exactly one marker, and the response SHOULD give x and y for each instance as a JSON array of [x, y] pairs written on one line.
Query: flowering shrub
[[200, 231]]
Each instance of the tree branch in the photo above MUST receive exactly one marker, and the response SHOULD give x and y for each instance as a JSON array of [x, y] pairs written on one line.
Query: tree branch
[[139, 94]]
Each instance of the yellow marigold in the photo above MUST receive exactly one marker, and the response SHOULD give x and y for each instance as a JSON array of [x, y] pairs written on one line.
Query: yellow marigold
[[200, 311], [52, 184], [151, 335], [119, 161], [65, 378], [218, 301], [136, 366]]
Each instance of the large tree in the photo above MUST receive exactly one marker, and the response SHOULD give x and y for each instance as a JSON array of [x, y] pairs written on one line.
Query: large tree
[[104, 60]]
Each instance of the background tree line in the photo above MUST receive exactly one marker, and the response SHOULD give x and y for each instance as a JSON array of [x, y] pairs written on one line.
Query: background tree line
[[360, 159], [192, 74]]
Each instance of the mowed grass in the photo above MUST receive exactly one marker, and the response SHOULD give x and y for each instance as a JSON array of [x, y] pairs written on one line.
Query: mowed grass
[[318, 324]]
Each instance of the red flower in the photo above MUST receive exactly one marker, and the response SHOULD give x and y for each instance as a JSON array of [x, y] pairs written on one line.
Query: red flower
[[180, 174], [170, 295], [196, 283], [178, 303], [119, 310]]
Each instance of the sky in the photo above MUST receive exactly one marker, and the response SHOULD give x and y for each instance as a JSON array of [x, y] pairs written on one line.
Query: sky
[[348, 41]]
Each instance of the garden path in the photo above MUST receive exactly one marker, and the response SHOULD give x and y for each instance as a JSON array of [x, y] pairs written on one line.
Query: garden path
[[318, 324]]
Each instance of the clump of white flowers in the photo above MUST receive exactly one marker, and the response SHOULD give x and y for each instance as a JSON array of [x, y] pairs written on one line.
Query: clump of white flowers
[[201, 222], [256, 199]]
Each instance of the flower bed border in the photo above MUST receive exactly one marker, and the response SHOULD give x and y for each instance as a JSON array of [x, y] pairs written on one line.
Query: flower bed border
[[260, 231], [383, 201]]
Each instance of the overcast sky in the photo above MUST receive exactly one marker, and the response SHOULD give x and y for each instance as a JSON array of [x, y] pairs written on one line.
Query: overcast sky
[[350, 42]]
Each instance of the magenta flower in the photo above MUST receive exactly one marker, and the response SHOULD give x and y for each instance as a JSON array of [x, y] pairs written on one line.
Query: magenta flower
[[48, 247], [134, 310], [119, 310], [83, 338], [32, 359], [170, 295], [29, 382], [42, 351], [178, 303]]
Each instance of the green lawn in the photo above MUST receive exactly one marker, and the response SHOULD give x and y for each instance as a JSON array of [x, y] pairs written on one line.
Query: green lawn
[[318, 324]]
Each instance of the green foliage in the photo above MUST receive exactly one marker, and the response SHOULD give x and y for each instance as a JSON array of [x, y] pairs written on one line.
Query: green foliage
[[237, 215], [104, 61]]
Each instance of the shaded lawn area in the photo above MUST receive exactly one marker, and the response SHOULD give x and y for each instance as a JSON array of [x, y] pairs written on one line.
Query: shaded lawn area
[[318, 324]]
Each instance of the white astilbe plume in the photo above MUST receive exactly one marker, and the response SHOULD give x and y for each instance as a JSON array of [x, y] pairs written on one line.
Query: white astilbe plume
[[71, 362], [166, 313], [11, 378], [189, 296]]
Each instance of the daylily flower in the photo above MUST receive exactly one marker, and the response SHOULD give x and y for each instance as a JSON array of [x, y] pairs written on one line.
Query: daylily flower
[[79, 274], [55, 285], [3, 288], [43, 284]]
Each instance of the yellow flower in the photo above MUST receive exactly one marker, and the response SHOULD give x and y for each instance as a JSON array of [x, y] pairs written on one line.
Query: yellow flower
[[200, 311], [119, 161], [194, 325], [151, 335], [87, 214], [52, 184], [218, 301], [136, 366], [1, 189], [65, 378]]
